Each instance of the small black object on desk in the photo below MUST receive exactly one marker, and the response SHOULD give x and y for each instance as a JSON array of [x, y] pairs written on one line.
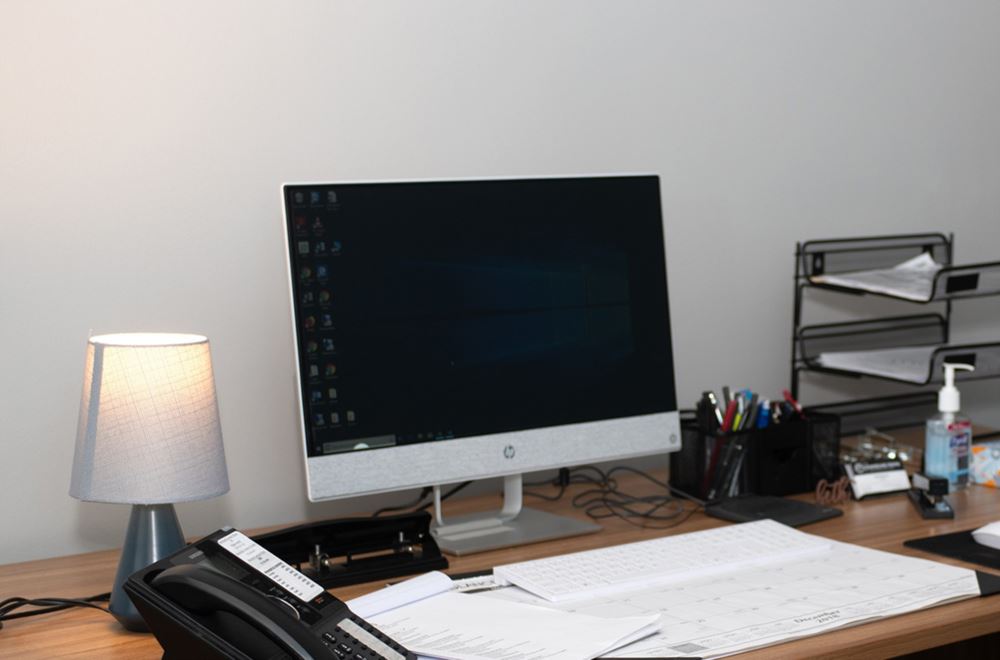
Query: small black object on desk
[[958, 545], [746, 508], [928, 494], [337, 553]]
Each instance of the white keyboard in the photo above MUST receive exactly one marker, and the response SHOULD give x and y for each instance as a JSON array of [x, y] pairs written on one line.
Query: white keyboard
[[667, 559]]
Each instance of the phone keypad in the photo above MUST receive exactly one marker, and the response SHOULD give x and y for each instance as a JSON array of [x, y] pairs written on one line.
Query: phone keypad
[[356, 639]]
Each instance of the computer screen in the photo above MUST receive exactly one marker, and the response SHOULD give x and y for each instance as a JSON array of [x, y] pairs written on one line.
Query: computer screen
[[453, 330]]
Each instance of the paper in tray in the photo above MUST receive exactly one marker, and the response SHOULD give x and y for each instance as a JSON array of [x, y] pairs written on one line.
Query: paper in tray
[[912, 280], [910, 364]]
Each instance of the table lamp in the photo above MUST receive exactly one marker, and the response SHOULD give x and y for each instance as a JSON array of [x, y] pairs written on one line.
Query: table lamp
[[148, 435]]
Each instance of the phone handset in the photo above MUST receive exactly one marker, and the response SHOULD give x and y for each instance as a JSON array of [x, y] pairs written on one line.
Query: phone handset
[[204, 590]]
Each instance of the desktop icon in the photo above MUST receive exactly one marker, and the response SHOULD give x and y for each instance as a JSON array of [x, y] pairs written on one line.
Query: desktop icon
[[326, 321], [300, 223], [328, 345], [309, 322], [322, 272], [303, 247], [351, 418], [299, 197], [320, 248], [307, 298], [314, 371], [314, 197], [316, 396], [330, 370], [317, 225], [305, 273], [332, 394], [336, 248], [319, 419], [331, 197], [312, 346], [335, 418], [324, 296]]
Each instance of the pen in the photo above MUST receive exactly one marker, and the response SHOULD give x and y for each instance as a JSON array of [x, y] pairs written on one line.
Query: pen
[[727, 421], [708, 479], [722, 471], [706, 417], [747, 399], [775, 412], [751, 418], [715, 406], [793, 403], [730, 481], [725, 396], [764, 418]]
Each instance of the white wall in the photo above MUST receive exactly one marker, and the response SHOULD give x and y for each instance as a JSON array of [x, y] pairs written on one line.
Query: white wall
[[142, 145]]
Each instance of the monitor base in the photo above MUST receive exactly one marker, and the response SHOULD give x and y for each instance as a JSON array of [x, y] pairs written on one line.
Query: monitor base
[[530, 526], [513, 525]]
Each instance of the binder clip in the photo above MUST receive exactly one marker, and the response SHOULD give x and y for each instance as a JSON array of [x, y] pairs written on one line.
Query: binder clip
[[928, 494]]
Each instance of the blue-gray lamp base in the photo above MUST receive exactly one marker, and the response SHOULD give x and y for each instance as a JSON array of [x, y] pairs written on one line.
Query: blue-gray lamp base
[[153, 533]]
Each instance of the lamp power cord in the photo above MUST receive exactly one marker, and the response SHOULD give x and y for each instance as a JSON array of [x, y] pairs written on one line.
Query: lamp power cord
[[47, 605]]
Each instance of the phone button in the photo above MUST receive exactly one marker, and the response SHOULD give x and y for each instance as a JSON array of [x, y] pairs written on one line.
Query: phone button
[[290, 608]]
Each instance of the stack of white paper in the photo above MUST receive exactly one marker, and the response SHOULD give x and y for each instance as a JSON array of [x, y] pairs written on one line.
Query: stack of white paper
[[468, 627], [911, 363], [425, 615], [912, 280], [403, 593]]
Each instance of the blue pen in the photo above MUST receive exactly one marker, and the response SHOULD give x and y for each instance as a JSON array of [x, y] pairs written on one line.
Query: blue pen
[[764, 417]]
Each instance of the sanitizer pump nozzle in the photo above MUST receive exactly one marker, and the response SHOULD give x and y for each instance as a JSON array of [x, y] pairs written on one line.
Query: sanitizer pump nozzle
[[949, 399]]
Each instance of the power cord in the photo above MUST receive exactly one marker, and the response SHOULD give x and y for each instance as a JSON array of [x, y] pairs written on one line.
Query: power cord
[[607, 500], [418, 504], [424, 492], [604, 500], [47, 605], [564, 478]]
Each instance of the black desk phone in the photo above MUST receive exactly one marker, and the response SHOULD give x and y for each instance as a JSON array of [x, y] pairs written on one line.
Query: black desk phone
[[227, 597]]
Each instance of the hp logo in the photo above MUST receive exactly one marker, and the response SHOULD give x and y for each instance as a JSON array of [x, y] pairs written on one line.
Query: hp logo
[[508, 451]]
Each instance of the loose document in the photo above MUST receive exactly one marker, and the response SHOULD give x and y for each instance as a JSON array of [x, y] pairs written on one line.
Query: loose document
[[428, 616]]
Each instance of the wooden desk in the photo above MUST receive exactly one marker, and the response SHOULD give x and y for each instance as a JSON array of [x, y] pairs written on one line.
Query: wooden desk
[[882, 523]]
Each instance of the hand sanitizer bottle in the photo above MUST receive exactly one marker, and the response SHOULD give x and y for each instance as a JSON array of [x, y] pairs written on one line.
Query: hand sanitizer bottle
[[949, 435]]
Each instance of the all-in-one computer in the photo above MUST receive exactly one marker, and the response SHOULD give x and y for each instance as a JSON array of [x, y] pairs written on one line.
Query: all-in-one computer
[[467, 329]]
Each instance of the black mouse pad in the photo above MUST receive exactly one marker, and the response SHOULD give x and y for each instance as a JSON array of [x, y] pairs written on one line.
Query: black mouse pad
[[958, 545], [746, 508]]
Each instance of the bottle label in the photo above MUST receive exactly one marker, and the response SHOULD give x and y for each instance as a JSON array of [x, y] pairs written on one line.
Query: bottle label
[[959, 444], [948, 450]]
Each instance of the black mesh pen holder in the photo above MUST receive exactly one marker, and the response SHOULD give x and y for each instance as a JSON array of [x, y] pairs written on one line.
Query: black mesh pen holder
[[782, 459]]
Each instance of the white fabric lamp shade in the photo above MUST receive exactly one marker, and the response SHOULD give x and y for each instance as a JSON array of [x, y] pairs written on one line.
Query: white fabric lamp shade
[[149, 428]]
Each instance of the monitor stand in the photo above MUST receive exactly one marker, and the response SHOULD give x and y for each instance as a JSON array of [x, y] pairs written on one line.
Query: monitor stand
[[512, 525]]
